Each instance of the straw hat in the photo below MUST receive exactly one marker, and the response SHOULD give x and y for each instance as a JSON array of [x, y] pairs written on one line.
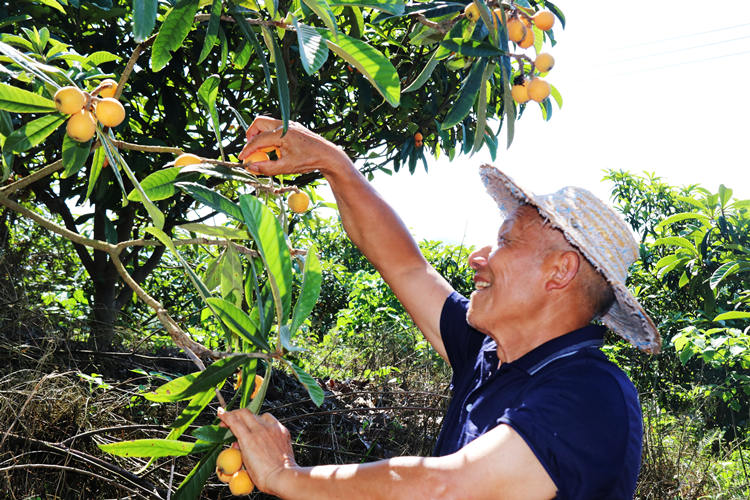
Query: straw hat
[[599, 234]]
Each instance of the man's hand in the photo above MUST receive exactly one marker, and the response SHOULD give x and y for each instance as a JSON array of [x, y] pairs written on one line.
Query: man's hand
[[265, 445], [301, 149]]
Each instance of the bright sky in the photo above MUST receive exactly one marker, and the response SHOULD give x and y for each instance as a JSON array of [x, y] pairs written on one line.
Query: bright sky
[[659, 86]]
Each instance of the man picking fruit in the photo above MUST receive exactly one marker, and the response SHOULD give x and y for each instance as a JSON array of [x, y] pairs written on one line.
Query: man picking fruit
[[538, 412]]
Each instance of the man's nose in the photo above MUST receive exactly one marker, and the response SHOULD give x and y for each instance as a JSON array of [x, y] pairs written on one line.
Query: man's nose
[[478, 258]]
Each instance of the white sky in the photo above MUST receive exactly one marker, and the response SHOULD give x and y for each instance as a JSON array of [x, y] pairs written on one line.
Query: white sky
[[659, 86]]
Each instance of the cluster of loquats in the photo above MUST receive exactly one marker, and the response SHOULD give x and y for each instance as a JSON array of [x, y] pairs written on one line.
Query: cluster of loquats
[[229, 470], [418, 140], [85, 109], [520, 29]]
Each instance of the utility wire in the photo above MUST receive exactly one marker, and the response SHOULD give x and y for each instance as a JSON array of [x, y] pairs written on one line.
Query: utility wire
[[681, 36], [682, 49], [712, 58]]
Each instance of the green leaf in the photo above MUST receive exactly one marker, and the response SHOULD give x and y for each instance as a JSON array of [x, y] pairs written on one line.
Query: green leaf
[[207, 93], [74, 155], [323, 11], [311, 281], [212, 199], [556, 96], [316, 393], [97, 163], [212, 31], [281, 79], [677, 241], [220, 171], [210, 433], [167, 242], [257, 401], [424, 75], [481, 109], [395, 7], [174, 29], [153, 448], [224, 232], [723, 272], [472, 48], [370, 62], [269, 238], [313, 49], [22, 101], [732, 315], [192, 486], [100, 57], [237, 321], [467, 95], [191, 412], [285, 335], [188, 386], [158, 185], [247, 30], [32, 133], [680, 217], [144, 18], [54, 4]]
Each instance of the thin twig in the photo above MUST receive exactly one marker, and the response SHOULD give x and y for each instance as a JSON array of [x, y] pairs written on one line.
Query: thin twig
[[131, 63], [31, 178]]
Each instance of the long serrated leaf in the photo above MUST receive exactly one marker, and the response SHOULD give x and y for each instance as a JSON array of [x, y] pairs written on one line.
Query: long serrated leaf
[[207, 93], [723, 272], [212, 30], [311, 282], [370, 62], [509, 106], [144, 18], [313, 389], [471, 48], [22, 101], [220, 171], [677, 241], [158, 186], [74, 155], [237, 321], [395, 7], [197, 404], [481, 109], [192, 486], [323, 11], [32, 133], [100, 57], [282, 83], [732, 315], [54, 4], [247, 30], [313, 49], [189, 385], [224, 232], [210, 433], [269, 238], [681, 217], [211, 198], [285, 336], [466, 96], [257, 401], [154, 448], [174, 29], [424, 75], [97, 163]]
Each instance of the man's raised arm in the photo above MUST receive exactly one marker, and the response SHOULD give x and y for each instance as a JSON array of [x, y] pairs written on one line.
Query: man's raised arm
[[370, 222]]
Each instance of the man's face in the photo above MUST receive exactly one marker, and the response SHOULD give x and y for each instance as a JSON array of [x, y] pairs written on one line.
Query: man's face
[[509, 275]]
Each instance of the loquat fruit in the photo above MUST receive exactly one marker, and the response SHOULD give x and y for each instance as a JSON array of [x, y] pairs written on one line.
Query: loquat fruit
[[497, 17], [241, 484], [224, 478], [108, 88], [69, 100], [544, 62], [81, 126], [298, 202], [418, 137], [186, 159], [258, 381], [516, 30], [520, 92], [528, 39], [110, 112], [229, 461], [268, 149], [256, 156], [544, 20], [472, 12], [538, 89]]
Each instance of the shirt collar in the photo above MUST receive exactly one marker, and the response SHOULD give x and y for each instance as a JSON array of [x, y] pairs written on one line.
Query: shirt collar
[[553, 349]]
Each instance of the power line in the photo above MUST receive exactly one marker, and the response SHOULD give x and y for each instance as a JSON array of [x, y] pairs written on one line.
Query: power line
[[713, 58], [682, 49], [681, 36]]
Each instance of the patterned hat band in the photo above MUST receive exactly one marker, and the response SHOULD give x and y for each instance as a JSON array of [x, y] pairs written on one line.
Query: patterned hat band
[[599, 233]]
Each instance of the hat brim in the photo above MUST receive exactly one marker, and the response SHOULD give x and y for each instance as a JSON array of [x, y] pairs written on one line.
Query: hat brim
[[626, 317]]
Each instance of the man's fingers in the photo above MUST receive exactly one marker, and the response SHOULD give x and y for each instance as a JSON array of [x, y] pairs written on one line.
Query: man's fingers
[[262, 124]]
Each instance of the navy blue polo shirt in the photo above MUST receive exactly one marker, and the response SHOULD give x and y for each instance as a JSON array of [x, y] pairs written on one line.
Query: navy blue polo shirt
[[577, 411]]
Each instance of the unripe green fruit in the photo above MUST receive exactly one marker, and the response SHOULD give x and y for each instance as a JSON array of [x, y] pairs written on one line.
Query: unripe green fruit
[[69, 100], [110, 112], [81, 126]]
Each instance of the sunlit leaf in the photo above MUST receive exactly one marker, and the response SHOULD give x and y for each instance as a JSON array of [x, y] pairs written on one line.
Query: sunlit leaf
[[316, 393], [74, 155], [313, 49], [172, 32], [22, 101], [187, 386], [33, 133], [153, 448], [158, 185]]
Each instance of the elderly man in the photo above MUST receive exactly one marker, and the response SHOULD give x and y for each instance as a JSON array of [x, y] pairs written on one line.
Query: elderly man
[[537, 412]]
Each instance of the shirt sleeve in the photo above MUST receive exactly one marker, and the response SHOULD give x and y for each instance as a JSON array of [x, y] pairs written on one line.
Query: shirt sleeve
[[461, 341], [579, 423]]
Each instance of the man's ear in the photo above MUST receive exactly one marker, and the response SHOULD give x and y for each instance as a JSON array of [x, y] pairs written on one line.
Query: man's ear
[[563, 269]]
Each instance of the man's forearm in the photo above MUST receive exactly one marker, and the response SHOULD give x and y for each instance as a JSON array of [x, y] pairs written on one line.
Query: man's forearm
[[411, 478]]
